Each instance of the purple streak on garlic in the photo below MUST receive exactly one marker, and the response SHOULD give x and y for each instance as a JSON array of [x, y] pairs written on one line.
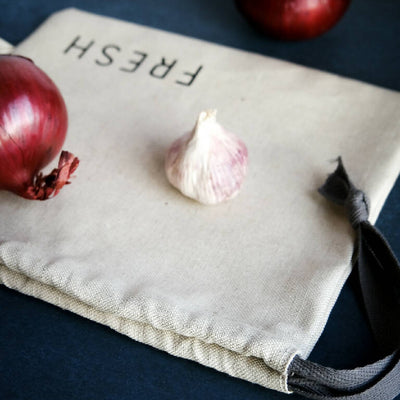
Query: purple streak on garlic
[[207, 164]]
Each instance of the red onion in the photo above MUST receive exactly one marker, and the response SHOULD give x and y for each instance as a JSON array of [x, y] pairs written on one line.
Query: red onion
[[293, 19], [33, 126]]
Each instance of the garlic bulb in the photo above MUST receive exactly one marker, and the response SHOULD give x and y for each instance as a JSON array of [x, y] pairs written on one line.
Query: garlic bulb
[[207, 164]]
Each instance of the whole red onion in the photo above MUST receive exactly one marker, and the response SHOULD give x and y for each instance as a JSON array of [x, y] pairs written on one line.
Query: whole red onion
[[33, 126], [293, 19]]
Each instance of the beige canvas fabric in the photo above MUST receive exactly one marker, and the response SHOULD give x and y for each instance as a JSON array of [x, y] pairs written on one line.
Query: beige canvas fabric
[[5, 47], [243, 286]]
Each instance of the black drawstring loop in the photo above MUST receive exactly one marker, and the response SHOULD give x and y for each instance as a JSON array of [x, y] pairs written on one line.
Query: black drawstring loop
[[379, 278]]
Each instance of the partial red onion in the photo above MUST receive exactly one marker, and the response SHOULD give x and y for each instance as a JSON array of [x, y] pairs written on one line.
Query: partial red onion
[[293, 19], [33, 126]]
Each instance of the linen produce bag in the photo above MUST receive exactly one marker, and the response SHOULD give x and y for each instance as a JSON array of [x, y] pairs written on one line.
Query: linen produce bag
[[243, 286]]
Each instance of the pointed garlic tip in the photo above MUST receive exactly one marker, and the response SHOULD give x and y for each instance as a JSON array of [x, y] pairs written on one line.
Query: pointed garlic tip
[[209, 163], [207, 116]]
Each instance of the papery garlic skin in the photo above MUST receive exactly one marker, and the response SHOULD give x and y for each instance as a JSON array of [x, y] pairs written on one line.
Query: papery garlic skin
[[209, 163]]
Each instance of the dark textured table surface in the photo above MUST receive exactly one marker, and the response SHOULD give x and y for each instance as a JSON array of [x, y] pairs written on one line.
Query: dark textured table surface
[[49, 353]]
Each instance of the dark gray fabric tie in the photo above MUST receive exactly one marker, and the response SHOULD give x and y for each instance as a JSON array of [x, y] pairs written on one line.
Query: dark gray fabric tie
[[379, 278]]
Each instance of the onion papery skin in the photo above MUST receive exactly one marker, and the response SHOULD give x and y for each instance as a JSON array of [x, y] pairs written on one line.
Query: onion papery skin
[[33, 127], [293, 19]]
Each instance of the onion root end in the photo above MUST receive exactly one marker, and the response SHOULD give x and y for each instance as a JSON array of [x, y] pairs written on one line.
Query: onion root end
[[44, 187]]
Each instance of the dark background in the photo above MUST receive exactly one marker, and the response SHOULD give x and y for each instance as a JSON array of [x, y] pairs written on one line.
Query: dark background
[[49, 353]]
